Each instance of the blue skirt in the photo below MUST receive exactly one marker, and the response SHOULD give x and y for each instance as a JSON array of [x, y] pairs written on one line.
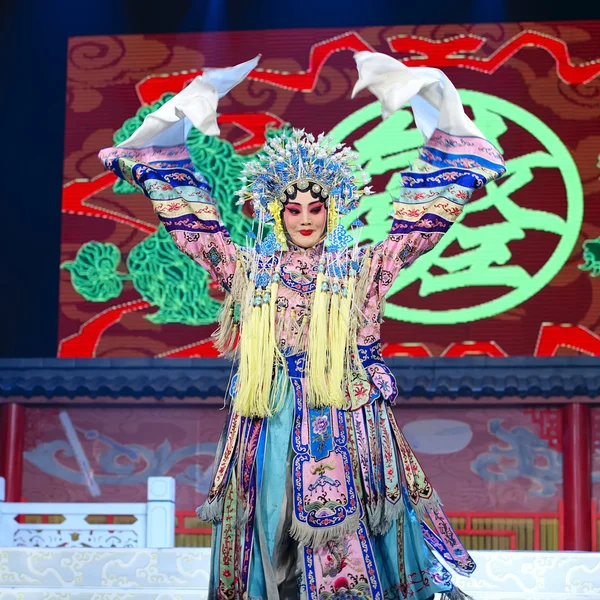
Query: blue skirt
[[258, 499]]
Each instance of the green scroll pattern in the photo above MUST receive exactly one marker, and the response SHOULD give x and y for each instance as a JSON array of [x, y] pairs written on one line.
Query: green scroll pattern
[[94, 272]]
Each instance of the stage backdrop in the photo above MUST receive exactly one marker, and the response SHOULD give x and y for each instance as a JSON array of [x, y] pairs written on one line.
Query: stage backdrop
[[516, 274], [508, 460]]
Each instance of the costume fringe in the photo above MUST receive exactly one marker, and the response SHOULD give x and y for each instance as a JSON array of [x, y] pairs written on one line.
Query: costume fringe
[[423, 506], [336, 346], [363, 283], [357, 318], [455, 594], [267, 350], [242, 516], [259, 357], [246, 387], [344, 326], [223, 336], [374, 516], [249, 400], [280, 381], [226, 335], [211, 512], [387, 514], [314, 537], [316, 354], [280, 388]]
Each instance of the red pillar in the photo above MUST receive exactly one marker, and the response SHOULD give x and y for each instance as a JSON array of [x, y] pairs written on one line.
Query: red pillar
[[577, 476], [12, 423]]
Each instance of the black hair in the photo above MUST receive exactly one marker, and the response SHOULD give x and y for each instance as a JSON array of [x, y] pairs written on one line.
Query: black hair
[[290, 194]]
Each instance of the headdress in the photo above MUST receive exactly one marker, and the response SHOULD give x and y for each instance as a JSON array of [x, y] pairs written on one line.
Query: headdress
[[330, 170]]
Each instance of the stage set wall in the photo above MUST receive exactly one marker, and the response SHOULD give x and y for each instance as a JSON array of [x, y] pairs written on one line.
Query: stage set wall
[[508, 449]]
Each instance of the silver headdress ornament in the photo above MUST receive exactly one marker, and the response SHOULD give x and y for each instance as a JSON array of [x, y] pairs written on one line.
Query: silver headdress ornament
[[331, 170]]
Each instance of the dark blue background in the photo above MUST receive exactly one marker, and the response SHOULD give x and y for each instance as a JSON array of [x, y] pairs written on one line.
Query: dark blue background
[[33, 75]]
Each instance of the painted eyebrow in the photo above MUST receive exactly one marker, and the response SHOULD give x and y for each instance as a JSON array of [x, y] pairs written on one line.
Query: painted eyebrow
[[298, 203]]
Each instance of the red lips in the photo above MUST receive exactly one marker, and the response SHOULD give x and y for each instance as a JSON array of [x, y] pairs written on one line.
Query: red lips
[[305, 232]]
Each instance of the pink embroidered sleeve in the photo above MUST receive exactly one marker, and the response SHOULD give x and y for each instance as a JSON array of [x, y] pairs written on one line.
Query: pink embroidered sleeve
[[181, 198], [455, 160], [434, 193], [212, 249]]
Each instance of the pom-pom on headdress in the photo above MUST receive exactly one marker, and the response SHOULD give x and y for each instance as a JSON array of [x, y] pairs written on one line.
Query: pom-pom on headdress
[[330, 170]]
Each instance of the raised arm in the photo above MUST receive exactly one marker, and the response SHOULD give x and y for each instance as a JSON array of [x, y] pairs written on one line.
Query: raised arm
[[182, 201], [454, 161], [156, 161]]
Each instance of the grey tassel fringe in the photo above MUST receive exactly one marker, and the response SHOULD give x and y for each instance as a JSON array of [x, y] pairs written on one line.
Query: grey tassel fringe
[[382, 516], [212, 512], [455, 594]]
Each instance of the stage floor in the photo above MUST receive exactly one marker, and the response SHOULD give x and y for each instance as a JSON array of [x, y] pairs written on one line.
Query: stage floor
[[147, 574]]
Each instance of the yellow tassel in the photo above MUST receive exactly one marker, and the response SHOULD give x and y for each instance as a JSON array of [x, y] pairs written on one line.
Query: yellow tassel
[[337, 349], [267, 352], [260, 357], [316, 354], [246, 384], [332, 215], [223, 335], [349, 332], [250, 397]]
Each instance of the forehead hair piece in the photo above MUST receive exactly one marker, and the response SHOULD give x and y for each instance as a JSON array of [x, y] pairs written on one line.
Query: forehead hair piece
[[291, 193]]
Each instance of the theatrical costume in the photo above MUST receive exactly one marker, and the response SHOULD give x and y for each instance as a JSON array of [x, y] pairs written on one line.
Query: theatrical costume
[[316, 493]]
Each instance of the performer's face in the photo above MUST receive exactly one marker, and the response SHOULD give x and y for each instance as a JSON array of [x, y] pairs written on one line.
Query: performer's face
[[305, 218]]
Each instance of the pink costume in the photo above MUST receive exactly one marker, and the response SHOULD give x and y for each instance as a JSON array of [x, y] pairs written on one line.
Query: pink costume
[[324, 503]]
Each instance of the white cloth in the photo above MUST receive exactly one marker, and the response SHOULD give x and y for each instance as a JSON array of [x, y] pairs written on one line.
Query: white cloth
[[434, 100], [195, 106]]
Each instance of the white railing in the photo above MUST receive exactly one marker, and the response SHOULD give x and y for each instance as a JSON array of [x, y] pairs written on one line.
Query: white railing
[[153, 526]]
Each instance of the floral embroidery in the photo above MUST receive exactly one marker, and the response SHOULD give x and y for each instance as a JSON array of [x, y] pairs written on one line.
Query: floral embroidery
[[320, 425]]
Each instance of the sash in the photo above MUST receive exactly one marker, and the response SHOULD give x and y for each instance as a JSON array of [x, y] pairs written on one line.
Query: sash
[[326, 505]]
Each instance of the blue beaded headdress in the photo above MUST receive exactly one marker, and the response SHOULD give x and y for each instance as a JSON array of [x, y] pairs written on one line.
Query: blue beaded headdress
[[330, 170]]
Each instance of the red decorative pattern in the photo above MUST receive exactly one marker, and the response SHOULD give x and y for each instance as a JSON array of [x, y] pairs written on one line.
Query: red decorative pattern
[[433, 53], [84, 343], [254, 124], [451, 53], [456, 349], [415, 350], [75, 193], [577, 337], [203, 349], [550, 422], [152, 88]]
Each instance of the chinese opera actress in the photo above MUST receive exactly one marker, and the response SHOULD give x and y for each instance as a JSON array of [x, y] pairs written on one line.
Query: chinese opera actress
[[315, 494]]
